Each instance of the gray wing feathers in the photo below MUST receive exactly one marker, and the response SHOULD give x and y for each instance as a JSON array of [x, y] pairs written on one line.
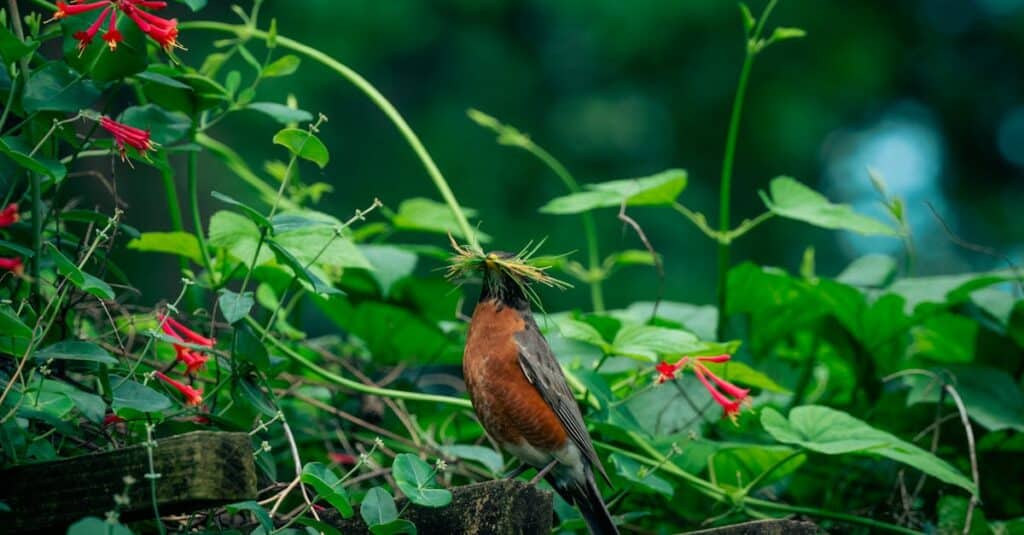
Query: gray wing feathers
[[543, 371]]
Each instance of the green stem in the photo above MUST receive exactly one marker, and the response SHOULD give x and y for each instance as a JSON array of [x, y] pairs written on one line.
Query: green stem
[[348, 383], [171, 191], [371, 92], [197, 220]]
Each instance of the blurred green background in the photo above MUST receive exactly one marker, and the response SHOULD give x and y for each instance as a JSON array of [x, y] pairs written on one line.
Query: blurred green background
[[928, 92]]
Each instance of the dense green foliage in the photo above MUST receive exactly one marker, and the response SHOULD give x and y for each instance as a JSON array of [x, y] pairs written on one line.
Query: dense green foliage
[[871, 400]]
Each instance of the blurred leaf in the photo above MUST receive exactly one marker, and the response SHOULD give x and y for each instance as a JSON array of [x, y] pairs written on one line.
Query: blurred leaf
[[945, 289], [16, 149], [649, 342], [738, 466], [194, 5], [378, 507], [632, 470], [91, 525], [281, 113], [833, 432], [304, 145], [701, 320], [235, 306], [283, 66], [952, 513], [794, 200], [327, 486], [76, 350], [256, 509], [749, 22], [55, 87], [177, 243], [991, 396], [486, 456], [394, 527], [783, 34], [416, 479], [390, 264], [165, 127], [84, 281], [425, 215], [659, 189], [872, 270], [945, 338], [13, 49], [131, 395], [11, 325]]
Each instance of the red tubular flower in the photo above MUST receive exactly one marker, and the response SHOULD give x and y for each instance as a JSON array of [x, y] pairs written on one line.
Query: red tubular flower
[[128, 135], [113, 36], [163, 31], [85, 37], [112, 419], [186, 333], [9, 215], [733, 396], [193, 396], [193, 360], [13, 265], [342, 458], [67, 10]]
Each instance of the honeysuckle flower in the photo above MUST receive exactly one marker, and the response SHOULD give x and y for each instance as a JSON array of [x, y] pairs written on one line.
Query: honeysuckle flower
[[729, 396], [193, 360], [9, 215], [112, 419], [163, 31], [342, 458], [13, 265], [128, 135], [193, 396]]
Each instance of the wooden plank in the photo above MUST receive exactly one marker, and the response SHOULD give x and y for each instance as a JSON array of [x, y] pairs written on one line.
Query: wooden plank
[[764, 527], [502, 507], [197, 470]]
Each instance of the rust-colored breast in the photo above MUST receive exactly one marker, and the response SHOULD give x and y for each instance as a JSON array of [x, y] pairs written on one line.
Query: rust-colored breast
[[508, 405]]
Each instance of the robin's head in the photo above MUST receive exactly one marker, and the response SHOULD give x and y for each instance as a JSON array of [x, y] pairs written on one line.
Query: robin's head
[[506, 276]]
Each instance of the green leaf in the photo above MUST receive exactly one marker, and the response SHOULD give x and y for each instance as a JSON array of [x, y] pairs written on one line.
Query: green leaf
[[13, 49], [304, 145], [84, 281], [783, 34], [945, 289], [300, 271], [235, 306], [945, 338], [794, 200], [253, 214], [654, 190], [16, 149], [583, 332], [322, 246], [283, 66], [395, 527], [327, 486], [165, 127], [249, 348], [162, 80], [991, 396], [91, 525], [194, 5], [176, 243], [11, 324], [390, 265], [483, 455], [255, 396], [416, 479], [737, 466], [238, 235], [131, 395], [425, 215], [749, 22], [281, 113], [76, 350], [641, 475], [872, 270], [833, 432], [378, 507], [55, 87], [649, 342], [952, 514], [256, 509]]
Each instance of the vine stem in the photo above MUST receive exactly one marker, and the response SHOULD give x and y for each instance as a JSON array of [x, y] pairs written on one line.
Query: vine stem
[[357, 80], [350, 384], [197, 220]]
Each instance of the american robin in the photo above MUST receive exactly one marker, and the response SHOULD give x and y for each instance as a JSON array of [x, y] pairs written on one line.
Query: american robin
[[520, 394]]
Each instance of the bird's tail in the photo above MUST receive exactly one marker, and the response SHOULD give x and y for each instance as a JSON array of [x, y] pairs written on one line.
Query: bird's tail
[[587, 498]]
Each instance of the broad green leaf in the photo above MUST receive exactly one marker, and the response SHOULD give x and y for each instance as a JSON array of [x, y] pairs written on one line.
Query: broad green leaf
[[299, 269], [18, 151], [738, 465], [701, 320], [641, 475], [304, 145], [129, 394], [794, 200], [235, 306], [76, 350], [13, 49], [55, 87], [256, 509], [281, 113], [483, 455], [252, 394], [91, 525], [11, 324], [327, 486], [583, 332], [283, 66], [165, 127], [322, 246], [378, 507], [84, 281], [176, 243], [654, 190], [390, 265], [253, 214], [833, 432], [395, 527], [425, 215], [416, 479], [162, 80], [945, 338], [872, 270], [239, 236], [648, 342], [991, 396], [249, 348]]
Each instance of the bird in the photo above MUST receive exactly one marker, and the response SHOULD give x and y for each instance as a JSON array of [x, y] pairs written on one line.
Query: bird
[[521, 397]]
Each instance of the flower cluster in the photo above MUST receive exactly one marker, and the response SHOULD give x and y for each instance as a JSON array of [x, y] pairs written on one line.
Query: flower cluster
[[125, 135], [193, 396], [730, 397], [193, 360], [163, 31], [8, 217]]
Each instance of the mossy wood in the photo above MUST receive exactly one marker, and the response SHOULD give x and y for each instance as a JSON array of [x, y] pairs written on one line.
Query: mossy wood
[[502, 507], [197, 470], [764, 527]]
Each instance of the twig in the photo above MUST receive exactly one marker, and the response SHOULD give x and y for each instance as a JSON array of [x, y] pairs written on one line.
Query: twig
[[659, 267], [971, 453], [979, 249]]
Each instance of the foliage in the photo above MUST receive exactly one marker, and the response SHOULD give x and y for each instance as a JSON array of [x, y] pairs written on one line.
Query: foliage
[[882, 396]]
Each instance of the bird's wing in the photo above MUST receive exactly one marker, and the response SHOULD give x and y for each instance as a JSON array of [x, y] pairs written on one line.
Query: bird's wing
[[543, 371]]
